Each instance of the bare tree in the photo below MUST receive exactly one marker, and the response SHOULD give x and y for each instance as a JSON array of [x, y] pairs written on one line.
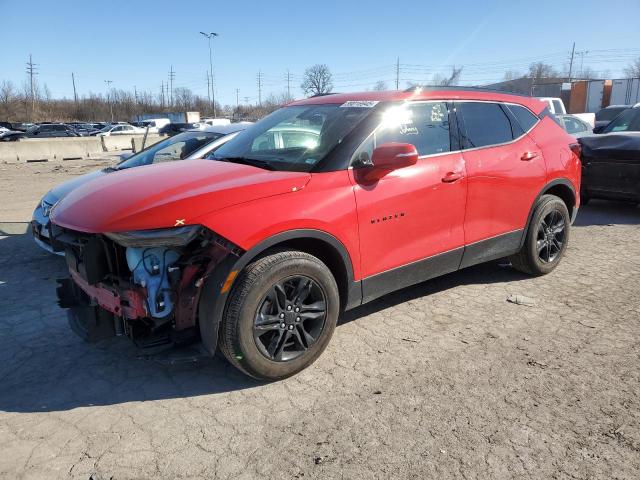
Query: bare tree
[[380, 85], [511, 75], [540, 70], [633, 69], [317, 80], [452, 79]]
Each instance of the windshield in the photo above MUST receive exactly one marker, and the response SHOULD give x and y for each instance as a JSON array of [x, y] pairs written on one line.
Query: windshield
[[293, 138], [173, 148], [627, 121], [607, 114]]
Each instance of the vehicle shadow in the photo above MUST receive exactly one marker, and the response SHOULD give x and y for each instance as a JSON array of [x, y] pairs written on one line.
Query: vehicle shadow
[[45, 367], [604, 212]]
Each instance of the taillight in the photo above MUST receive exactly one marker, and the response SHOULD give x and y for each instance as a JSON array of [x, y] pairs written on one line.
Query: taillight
[[576, 148]]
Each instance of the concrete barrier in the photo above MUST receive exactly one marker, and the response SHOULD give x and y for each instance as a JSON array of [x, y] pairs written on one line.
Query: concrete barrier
[[117, 142], [136, 142], [48, 149]]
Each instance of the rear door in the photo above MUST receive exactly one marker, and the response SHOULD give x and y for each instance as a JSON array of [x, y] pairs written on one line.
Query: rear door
[[411, 220], [505, 170]]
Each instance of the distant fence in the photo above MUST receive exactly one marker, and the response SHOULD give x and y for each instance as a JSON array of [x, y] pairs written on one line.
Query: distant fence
[[74, 148]]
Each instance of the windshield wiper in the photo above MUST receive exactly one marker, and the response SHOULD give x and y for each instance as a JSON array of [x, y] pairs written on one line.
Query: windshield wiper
[[254, 162]]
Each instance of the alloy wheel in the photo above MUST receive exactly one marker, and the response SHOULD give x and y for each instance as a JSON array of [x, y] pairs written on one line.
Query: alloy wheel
[[551, 236], [290, 318]]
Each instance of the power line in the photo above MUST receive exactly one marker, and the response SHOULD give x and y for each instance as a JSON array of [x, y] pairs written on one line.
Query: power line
[[172, 76], [31, 71]]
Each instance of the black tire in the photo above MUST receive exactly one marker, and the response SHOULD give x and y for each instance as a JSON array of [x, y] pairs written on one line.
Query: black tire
[[254, 291], [545, 243]]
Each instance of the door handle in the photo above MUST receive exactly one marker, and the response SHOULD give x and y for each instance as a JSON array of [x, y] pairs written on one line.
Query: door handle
[[528, 156], [452, 177]]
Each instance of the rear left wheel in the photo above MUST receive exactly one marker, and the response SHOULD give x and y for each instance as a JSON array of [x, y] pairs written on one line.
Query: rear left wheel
[[547, 237], [280, 315]]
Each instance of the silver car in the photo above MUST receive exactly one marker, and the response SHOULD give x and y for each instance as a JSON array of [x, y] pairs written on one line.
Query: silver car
[[192, 144]]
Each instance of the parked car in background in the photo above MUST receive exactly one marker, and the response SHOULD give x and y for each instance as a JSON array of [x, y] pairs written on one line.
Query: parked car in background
[[6, 125], [155, 124], [10, 135], [120, 130], [607, 114], [175, 128], [187, 145], [84, 129], [50, 130], [556, 106], [258, 251], [574, 125], [611, 160]]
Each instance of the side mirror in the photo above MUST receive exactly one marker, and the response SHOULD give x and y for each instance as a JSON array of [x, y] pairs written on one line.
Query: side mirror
[[385, 159], [599, 129]]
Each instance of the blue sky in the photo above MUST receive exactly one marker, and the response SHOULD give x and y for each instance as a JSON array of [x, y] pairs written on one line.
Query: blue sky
[[136, 42]]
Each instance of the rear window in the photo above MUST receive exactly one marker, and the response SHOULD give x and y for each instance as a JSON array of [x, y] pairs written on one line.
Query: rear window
[[525, 118], [484, 124], [608, 114]]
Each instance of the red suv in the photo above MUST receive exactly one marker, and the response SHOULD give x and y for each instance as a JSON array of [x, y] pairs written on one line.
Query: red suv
[[326, 204]]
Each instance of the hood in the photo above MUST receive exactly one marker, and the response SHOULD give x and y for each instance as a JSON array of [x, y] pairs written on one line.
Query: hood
[[167, 194], [60, 191], [615, 145]]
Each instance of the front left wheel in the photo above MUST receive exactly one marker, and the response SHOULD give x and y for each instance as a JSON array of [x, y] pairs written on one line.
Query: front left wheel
[[280, 315]]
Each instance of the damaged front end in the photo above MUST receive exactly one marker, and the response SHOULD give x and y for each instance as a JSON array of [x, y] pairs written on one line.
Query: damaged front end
[[146, 284]]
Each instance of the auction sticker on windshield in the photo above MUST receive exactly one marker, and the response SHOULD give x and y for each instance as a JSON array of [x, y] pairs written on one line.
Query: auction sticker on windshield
[[360, 104]]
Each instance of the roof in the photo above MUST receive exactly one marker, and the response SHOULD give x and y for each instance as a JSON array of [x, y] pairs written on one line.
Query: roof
[[426, 93]]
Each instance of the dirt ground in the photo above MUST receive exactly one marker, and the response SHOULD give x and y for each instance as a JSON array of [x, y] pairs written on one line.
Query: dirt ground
[[22, 185], [446, 379]]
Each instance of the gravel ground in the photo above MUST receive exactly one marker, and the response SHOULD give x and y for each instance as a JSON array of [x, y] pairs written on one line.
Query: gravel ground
[[446, 379], [24, 184]]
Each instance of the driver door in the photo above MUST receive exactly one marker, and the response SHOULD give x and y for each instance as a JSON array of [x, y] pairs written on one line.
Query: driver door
[[411, 220]]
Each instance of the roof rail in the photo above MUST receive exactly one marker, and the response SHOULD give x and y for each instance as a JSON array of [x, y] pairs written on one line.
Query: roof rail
[[324, 94], [466, 89]]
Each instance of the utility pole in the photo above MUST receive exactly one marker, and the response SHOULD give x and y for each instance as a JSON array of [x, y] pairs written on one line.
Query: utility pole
[[246, 100], [573, 52], [288, 85], [162, 95], [31, 71], [398, 74], [237, 98], [172, 75], [582, 55], [210, 36], [259, 88], [135, 94], [109, 82]]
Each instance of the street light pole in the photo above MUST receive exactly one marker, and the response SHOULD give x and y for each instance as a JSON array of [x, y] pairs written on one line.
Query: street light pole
[[109, 99], [210, 37]]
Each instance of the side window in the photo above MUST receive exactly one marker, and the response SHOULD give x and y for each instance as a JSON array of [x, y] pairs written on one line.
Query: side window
[[574, 126], [424, 125], [484, 124], [525, 118], [557, 106]]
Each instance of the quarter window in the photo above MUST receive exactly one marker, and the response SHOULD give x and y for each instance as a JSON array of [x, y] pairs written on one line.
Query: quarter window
[[525, 118], [484, 124]]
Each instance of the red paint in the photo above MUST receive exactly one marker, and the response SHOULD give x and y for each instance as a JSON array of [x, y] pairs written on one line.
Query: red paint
[[439, 203]]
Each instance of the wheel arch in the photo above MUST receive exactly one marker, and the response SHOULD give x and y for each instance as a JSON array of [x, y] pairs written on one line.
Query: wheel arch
[[561, 188], [318, 243]]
